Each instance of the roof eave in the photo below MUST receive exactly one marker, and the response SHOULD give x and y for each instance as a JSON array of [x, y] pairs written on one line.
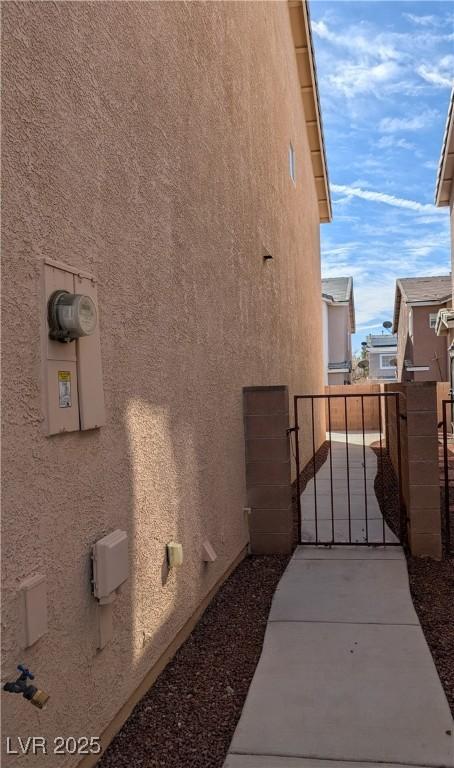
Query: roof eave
[[305, 59], [429, 302], [397, 300], [352, 305], [443, 190]]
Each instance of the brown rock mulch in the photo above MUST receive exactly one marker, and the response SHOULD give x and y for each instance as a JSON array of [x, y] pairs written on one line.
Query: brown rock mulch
[[432, 590], [187, 718], [431, 586]]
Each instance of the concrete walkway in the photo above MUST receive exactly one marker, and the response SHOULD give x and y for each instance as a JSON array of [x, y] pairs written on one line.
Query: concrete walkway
[[345, 677], [333, 524]]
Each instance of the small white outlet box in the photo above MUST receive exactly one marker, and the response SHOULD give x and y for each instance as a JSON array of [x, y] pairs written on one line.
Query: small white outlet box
[[174, 554], [35, 608], [110, 565]]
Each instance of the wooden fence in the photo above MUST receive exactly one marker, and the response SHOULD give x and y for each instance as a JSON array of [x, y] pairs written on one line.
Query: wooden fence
[[338, 405], [442, 394]]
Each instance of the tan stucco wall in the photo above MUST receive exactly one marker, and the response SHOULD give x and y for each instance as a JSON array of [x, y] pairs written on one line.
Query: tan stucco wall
[[146, 143], [451, 219], [338, 333]]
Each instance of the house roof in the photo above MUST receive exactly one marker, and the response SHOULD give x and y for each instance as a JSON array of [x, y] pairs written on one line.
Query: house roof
[[445, 172], [339, 290], [305, 59], [346, 366], [381, 341], [414, 290]]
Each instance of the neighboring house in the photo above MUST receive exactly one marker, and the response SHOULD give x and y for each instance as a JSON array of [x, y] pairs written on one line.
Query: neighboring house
[[444, 197], [421, 354], [338, 325], [154, 156], [381, 353]]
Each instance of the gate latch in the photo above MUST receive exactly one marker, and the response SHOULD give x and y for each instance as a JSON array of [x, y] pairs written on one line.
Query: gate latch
[[291, 429]]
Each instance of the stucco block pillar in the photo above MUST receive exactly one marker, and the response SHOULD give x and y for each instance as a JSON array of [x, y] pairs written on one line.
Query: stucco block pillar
[[424, 517], [268, 482]]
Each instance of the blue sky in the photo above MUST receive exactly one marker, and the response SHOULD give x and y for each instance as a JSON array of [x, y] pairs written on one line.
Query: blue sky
[[384, 71]]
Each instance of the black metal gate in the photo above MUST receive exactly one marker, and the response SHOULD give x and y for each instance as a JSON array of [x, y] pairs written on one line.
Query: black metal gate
[[349, 492], [448, 476]]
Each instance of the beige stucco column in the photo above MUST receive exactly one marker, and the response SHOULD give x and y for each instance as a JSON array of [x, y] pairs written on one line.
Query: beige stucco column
[[424, 517], [266, 420]]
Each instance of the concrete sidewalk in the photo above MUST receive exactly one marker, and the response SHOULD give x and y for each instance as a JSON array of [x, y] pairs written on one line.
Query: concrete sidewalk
[[351, 512], [346, 677], [345, 673]]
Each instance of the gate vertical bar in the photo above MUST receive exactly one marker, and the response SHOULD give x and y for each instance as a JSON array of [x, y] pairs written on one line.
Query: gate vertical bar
[[348, 474], [315, 470], [297, 460], [365, 470], [331, 468], [446, 472], [380, 427], [403, 514]]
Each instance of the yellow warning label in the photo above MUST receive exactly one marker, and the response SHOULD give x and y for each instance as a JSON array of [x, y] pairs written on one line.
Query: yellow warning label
[[64, 389]]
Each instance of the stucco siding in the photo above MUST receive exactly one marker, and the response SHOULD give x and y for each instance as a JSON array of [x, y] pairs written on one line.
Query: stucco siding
[[325, 326], [338, 333], [429, 349], [146, 143]]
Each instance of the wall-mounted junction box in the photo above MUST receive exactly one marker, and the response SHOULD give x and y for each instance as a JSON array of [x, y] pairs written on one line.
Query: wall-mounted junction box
[[110, 565], [73, 395], [34, 594]]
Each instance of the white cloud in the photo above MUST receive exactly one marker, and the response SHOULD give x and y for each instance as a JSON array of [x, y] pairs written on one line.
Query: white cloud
[[422, 21], [352, 79], [422, 247], [380, 63], [415, 123], [353, 39], [440, 75], [381, 197], [432, 165], [386, 142]]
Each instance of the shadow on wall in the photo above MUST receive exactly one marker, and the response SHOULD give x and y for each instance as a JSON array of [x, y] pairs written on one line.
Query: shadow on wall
[[159, 480]]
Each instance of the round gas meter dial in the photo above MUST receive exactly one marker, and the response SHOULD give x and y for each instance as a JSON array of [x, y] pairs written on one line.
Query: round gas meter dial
[[71, 315]]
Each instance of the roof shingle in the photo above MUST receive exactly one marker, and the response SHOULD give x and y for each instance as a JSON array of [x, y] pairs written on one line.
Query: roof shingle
[[434, 288]]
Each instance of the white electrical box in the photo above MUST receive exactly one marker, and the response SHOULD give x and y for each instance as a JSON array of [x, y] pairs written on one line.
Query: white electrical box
[[110, 565], [35, 608]]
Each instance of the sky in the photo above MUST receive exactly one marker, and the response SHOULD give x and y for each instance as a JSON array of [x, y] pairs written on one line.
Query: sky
[[385, 71]]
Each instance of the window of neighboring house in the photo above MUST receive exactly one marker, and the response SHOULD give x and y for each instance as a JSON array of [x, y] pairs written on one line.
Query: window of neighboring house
[[432, 319], [292, 163], [385, 361]]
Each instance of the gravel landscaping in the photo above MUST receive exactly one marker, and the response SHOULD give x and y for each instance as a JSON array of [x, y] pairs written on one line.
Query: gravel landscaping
[[187, 718], [431, 586]]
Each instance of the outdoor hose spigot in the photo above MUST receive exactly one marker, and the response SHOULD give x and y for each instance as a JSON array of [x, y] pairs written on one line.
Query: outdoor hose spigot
[[37, 697]]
